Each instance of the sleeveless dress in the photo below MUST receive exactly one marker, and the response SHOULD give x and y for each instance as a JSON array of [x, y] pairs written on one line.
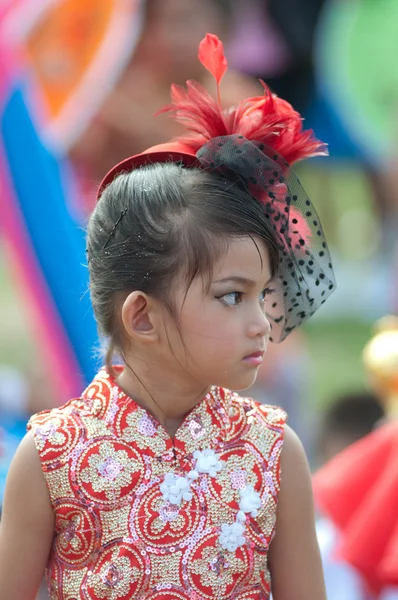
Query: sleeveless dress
[[141, 515]]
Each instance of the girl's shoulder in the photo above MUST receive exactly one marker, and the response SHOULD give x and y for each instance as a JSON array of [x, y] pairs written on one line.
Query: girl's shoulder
[[57, 432], [265, 415], [71, 412], [95, 404], [258, 428]]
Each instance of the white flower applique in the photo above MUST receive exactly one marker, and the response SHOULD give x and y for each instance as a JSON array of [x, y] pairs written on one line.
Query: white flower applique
[[207, 461], [250, 500], [232, 536], [176, 488]]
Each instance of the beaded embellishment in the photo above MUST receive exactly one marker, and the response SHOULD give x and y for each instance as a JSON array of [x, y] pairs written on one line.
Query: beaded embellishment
[[138, 515]]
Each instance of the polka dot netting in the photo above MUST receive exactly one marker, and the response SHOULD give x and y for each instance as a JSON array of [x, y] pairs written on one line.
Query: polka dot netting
[[305, 278]]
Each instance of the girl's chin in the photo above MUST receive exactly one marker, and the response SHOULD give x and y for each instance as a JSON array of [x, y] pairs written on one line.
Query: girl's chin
[[239, 382]]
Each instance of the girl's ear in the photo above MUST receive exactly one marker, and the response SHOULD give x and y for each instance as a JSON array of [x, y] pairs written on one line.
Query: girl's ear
[[138, 316]]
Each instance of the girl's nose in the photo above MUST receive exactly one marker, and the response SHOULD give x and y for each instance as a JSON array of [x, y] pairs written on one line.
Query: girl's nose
[[260, 326]]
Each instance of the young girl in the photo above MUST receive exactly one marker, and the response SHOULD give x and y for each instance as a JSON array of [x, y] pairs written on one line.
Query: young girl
[[159, 482]]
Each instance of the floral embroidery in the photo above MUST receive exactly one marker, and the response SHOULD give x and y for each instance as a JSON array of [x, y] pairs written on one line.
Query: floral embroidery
[[68, 535], [49, 431], [196, 428], [238, 479], [175, 489], [168, 512], [238, 473], [215, 571], [232, 536], [140, 428], [207, 461], [116, 577], [146, 426], [250, 501], [218, 564], [183, 533], [110, 470]]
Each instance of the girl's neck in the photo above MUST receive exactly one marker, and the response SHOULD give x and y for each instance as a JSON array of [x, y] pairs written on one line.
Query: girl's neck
[[166, 401]]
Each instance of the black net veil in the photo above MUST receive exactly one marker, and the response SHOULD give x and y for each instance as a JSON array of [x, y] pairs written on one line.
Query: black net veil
[[305, 277]]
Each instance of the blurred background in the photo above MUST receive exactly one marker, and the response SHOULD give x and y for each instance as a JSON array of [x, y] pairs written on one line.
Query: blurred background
[[78, 89], [79, 83]]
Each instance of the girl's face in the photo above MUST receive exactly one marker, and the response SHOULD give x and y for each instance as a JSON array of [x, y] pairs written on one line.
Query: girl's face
[[224, 331]]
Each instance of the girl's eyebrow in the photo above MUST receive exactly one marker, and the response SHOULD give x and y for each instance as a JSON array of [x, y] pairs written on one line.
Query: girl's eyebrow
[[240, 280]]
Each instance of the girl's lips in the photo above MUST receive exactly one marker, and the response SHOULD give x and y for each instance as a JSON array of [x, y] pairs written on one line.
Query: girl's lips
[[255, 359]]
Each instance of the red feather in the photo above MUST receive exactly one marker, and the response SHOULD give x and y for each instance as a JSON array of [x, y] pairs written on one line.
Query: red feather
[[211, 55], [267, 119]]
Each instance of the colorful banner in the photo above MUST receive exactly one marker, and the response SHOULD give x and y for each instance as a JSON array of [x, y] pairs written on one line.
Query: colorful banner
[[58, 58]]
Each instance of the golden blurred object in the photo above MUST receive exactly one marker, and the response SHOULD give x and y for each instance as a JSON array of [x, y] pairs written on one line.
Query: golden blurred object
[[380, 357]]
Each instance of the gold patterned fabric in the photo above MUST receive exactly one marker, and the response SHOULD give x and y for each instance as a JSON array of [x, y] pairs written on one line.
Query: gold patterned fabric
[[111, 470]]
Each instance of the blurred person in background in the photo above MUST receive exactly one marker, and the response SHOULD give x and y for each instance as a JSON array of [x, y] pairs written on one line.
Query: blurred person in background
[[347, 419], [166, 51], [21, 395], [356, 491], [273, 40]]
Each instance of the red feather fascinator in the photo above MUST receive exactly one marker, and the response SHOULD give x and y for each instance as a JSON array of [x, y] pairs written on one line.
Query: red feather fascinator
[[267, 118]]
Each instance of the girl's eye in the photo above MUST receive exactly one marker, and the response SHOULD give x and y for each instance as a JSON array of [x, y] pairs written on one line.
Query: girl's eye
[[265, 293], [232, 299]]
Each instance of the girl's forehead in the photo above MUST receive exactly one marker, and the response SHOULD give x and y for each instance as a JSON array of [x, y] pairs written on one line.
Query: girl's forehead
[[243, 256]]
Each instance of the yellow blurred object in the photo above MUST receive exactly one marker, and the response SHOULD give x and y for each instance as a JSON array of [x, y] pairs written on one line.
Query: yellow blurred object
[[380, 357]]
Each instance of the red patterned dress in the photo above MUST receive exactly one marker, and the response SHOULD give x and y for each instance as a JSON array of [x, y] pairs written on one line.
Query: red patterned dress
[[141, 515]]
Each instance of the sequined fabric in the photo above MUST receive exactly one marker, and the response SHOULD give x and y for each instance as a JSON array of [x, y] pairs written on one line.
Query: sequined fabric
[[105, 459]]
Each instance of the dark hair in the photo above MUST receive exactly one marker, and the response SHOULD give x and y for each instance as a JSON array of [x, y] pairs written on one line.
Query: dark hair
[[352, 415], [160, 221]]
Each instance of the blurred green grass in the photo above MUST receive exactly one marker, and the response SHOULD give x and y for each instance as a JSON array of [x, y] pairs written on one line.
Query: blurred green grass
[[335, 348], [17, 346], [342, 195]]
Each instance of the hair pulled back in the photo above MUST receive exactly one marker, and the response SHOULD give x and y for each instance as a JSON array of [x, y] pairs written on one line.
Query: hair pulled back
[[159, 222]]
